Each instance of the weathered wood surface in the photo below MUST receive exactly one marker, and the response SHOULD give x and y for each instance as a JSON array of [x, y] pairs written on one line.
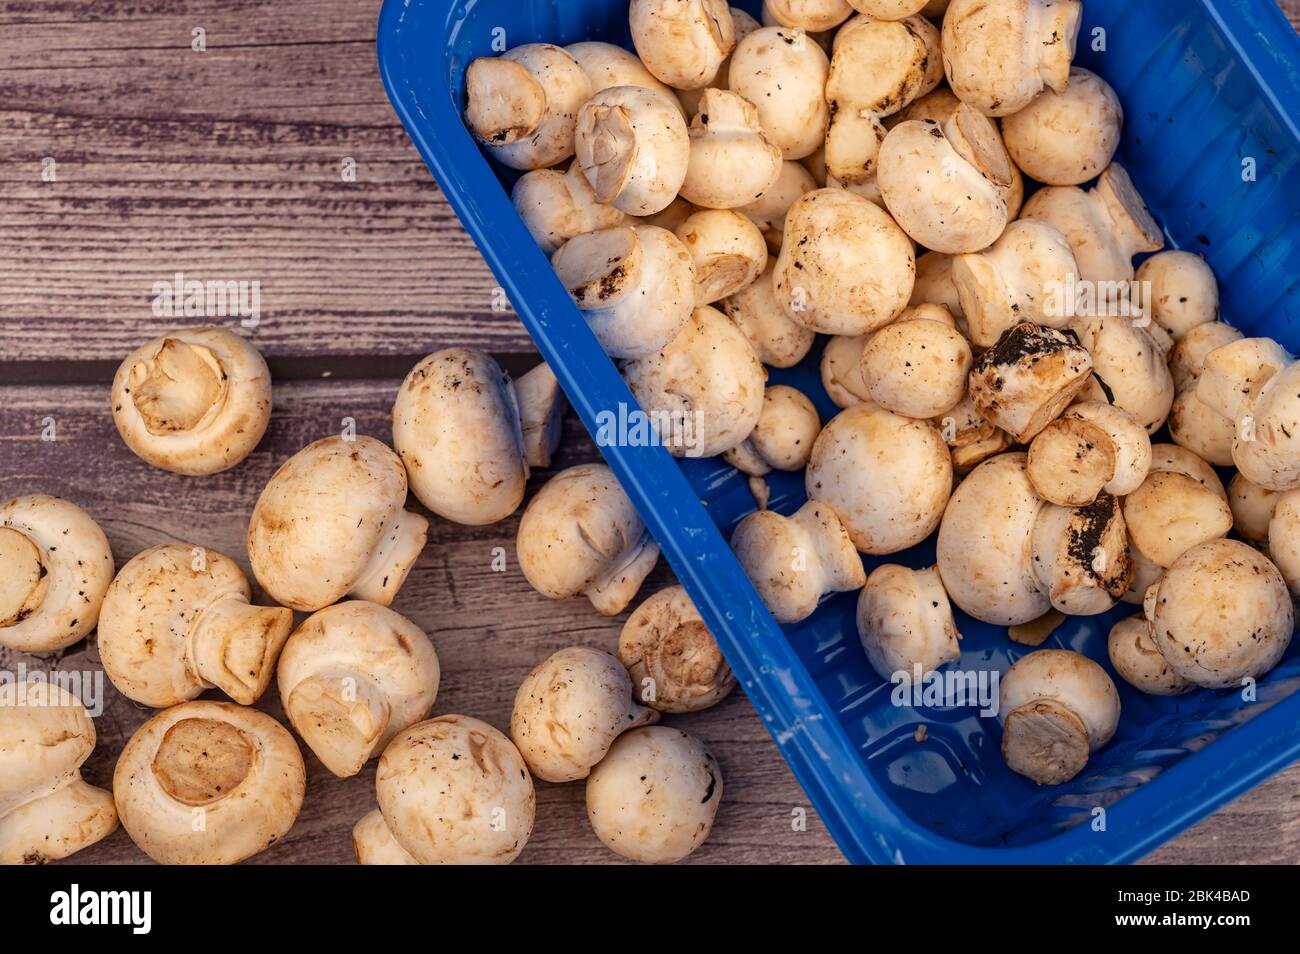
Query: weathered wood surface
[[227, 165]]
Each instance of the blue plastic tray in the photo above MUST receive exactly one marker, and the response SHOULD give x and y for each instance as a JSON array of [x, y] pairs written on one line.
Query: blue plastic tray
[[1207, 85]]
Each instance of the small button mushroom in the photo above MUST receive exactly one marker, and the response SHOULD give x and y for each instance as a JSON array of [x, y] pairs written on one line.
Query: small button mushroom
[[1000, 54], [935, 285], [794, 561], [783, 437], [841, 369], [777, 340], [1056, 707], [946, 183], [1131, 365], [1105, 226], [654, 797], [195, 401], [1184, 293], [455, 791], [1081, 557], [177, 621], [1026, 380], [783, 72], [330, 523], [633, 147], [47, 811], [733, 163], [815, 16], [888, 477], [457, 427], [1221, 614], [1093, 447], [1201, 429], [905, 620], [569, 710], [351, 677], [374, 844], [523, 105], [770, 210], [1135, 657], [892, 9], [673, 659], [971, 438], [635, 286], [744, 25], [683, 42], [984, 553], [1187, 360], [1284, 536], [208, 783], [917, 367], [1265, 409], [728, 251], [1252, 511], [581, 535], [845, 267], [559, 206], [607, 66], [57, 565], [1171, 513], [706, 383], [1066, 137], [1018, 278]]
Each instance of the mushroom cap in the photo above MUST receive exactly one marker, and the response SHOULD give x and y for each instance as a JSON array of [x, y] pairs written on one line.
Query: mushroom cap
[[984, 548], [653, 798], [888, 477], [1182, 461], [1026, 380], [845, 266], [208, 783], [682, 42], [1233, 377], [351, 677], [891, 9], [841, 369], [1171, 513], [1184, 291], [707, 380], [905, 620], [1252, 510], [1267, 445], [667, 647], [374, 844], [917, 368], [934, 283], [769, 211], [733, 163], [323, 516], [815, 16], [195, 401], [569, 710], [1187, 361], [728, 250], [57, 568], [559, 206], [456, 427], [1135, 657], [607, 65], [1081, 556], [632, 145], [744, 25], [1221, 614], [784, 435], [454, 791], [538, 141], [1129, 361], [777, 340], [1067, 137], [1201, 429], [783, 72], [1284, 535]]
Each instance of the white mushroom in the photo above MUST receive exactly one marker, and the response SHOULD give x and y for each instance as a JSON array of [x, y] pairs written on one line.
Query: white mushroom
[[47, 811], [794, 561], [633, 147], [581, 535], [1028, 378], [905, 620], [783, 72], [778, 340], [57, 565], [541, 414], [769, 212], [569, 710], [523, 105], [1184, 292], [1255, 383], [1135, 657], [1182, 461], [841, 369], [1129, 368], [654, 797], [195, 401], [1066, 137], [1252, 513], [783, 437], [1056, 707], [1080, 556], [683, 42], [815, 16], [351, 677], [1093, 447], [917, 367], [559, 206], [893, 9], [733, 163], [1171, 513], [728, 251], [374, 844], [706, 383], [744, 25], [673, 659], [208, 783], [455, 791], [935, 285], [972, 439], [1201, 429], [888, 477], [1187, 360], [1000, 54], [177, 620], [330, 523], [1222, 614], [607, 66], [1284, 536], [635, 286]]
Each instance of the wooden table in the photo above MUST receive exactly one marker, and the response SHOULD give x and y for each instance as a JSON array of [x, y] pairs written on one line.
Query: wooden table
[[231, 163]]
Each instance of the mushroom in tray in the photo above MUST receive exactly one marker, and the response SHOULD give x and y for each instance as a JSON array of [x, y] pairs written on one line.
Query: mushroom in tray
[[1029, 377], [905, 620], [682, 42], [634, 149], [783, 72]]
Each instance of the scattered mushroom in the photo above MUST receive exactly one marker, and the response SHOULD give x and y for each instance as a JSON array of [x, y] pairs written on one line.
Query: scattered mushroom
[[1201, 429], [177, 620], [195, 401], [633, 147], [374, 844], [331, 523], [558, 206], [208, 783], [783, 72], [683, 42], [1066, 137], [673, 659], [351, 677], [1284, 537], [777, 339], [905, 620], [581, 535], [1056, 707], [57, 566], [744, 25], [728, 251], [653, 798], [1093, 447], [1135, 657], [918, 366], [569, 710], [783, 437], [1028, 378], [47, 811], [732, 163]]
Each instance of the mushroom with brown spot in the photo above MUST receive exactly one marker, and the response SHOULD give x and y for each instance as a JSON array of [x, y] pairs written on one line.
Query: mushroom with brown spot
[[1026, 380], [673, 659]]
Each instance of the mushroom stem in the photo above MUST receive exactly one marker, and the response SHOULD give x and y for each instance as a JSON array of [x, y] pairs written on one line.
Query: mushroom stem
[[374, 844], [1054, 21], [614, 589], [57, 824], [541, 414], [340, 715], [235, 646], [392, 559]]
